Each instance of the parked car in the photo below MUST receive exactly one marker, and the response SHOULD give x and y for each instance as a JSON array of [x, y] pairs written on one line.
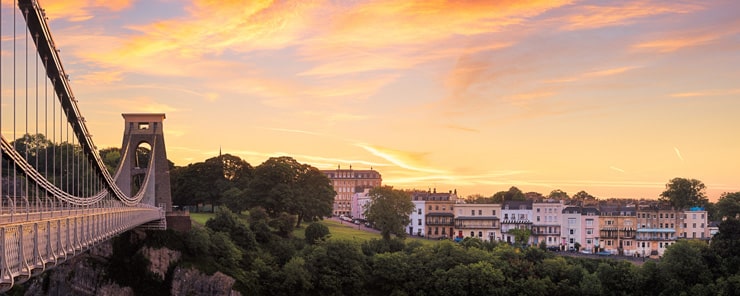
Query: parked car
[[585, 251], [553, 248], [604, 253]]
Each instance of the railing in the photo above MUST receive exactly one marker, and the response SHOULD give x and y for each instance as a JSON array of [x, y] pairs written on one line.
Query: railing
[[30, 247]]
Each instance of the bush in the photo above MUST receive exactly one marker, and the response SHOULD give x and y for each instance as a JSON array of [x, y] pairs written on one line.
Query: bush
[[316, 232]]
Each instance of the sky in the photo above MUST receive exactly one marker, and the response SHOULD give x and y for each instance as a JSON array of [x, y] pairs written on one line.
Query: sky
[[612, 97]]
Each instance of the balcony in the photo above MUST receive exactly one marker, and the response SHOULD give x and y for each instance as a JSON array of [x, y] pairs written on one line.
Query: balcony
[[656, 238]]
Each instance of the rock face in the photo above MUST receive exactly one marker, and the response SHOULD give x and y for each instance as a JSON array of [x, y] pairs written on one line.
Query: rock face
[[86, 274], [194, 282], [160, 259], [81, 275]]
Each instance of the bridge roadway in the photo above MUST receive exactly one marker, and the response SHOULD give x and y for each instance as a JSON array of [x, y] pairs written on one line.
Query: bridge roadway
[[32, 242]]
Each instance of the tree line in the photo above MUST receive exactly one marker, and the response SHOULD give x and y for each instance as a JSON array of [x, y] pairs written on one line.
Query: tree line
[[266, 260]]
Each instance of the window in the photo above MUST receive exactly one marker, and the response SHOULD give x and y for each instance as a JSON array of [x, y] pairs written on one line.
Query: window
[[572, 231], [671, 215], [589, 222], [538, 210], [693, 216], [436, 207], [694, 225], [493, 212], [661, 215], [472, 212], [506, 216], [480, 233], [430, 207], [419, 212], [571, 221], [589, 231], [608, 243], [419, 222], [143, 125], [572, 240], [702, 225], [538, 218], [472, 233], [480, 212]]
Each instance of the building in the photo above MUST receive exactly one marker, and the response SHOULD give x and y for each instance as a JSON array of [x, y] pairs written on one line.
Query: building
[[348, 182], [617, 228], [695, 224], [439, 219], [590, 233], [417, 222], [547, 222], [572, 230], [477, 220], [657, 228], [359, 200], [517, 215]]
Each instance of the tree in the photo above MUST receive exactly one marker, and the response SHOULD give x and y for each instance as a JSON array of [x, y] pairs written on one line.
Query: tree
[[281, 184], [583, 195], [683, 266], [478, 199], [683, 193], [389, 209], [316, 232], [315, 197], [521, 235], [558, 194], [728, 205], [512, 194]]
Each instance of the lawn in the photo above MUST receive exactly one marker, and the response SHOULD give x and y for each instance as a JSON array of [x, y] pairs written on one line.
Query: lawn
[[201, 218], [349, 231], [343, 231]]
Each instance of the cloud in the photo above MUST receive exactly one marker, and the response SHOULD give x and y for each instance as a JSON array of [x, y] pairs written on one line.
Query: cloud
[[462, 128], [616, 169], [408, 160], [82, 10], [678, 153], [707, 93], [594, 74], [584, 17], [697, 36]]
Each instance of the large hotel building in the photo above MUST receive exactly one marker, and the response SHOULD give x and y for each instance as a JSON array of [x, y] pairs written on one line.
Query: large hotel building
[[348, 182]]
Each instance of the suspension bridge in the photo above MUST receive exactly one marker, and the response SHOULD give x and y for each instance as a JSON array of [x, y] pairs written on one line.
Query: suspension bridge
[[57, 195]]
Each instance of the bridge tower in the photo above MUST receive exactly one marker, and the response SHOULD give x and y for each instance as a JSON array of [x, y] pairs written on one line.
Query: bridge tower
[[145, 128]]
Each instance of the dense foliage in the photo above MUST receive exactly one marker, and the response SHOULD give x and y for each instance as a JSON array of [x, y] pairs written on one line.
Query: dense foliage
[[278, 265], [389, 211]]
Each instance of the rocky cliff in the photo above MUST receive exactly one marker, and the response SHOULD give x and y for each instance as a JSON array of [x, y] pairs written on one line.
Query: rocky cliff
[[91, 273]]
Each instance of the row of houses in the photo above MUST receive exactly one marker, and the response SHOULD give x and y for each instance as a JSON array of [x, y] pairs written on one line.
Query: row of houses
[[627, 227]]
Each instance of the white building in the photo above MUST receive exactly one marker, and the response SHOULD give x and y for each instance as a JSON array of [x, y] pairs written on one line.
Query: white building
[[546, 222], [417, 219], [590, 234], [516, 214], [695, 224], [359, 202], [571, 226]]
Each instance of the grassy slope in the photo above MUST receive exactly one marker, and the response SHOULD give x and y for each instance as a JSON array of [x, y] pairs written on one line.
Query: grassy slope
[[343, 231]]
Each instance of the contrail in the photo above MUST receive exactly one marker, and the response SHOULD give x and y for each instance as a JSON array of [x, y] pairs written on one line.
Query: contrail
[[616, 169], [678, 153]]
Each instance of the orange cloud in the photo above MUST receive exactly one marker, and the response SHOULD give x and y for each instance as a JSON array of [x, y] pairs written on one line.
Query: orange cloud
[[81, 10], [408, 160]]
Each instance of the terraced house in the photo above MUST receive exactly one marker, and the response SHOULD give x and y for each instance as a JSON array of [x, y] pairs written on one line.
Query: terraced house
[[478, 220]]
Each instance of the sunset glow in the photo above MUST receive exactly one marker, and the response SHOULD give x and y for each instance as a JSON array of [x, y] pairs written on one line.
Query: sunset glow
[[612, 97]]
